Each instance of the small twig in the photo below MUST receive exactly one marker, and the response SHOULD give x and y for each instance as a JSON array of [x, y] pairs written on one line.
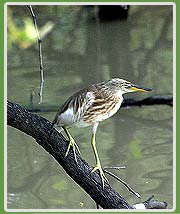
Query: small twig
[[32, 98], [40, 53], [123, 182], [97, 206], [114, 167], [149, 199]]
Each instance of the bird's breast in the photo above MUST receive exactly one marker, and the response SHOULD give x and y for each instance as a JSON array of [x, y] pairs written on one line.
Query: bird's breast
[[103, 110], [111, 110]]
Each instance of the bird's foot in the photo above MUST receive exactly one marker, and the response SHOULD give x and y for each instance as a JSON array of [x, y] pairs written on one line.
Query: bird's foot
[[101, 173], [74, 146]]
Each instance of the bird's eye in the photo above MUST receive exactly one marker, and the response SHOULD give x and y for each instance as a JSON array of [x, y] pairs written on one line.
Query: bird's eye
[[125, 85]]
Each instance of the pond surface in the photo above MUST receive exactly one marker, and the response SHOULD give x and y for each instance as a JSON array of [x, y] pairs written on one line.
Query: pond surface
[[77, 52]]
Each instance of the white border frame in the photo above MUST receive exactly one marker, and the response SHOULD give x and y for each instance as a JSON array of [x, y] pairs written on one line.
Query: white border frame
[[5, 106]]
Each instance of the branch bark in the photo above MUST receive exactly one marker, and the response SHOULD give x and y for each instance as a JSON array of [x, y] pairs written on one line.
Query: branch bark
[[55, 144]]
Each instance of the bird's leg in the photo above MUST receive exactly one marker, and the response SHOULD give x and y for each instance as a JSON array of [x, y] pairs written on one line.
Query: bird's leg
[[72, 143], [98, 164]]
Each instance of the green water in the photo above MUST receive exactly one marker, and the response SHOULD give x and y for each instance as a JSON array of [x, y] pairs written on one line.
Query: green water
[[78, 52]]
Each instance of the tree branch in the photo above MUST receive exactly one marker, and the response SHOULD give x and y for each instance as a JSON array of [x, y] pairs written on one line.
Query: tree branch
[[156, 100], [55, 144]]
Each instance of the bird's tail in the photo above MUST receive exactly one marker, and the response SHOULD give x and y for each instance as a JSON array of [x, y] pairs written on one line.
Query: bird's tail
[[54, 124]]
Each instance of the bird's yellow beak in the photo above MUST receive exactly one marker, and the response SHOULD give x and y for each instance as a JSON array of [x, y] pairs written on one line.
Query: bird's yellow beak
[[139, 88]]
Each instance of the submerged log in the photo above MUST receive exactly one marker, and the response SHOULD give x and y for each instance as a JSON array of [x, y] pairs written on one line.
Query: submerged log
[[149, 101]]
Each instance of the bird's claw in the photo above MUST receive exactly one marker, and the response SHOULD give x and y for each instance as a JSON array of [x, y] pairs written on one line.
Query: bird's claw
[[101, 173], [74, 146]]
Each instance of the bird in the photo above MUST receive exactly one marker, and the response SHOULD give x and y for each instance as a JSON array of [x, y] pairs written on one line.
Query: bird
[[90, 106]]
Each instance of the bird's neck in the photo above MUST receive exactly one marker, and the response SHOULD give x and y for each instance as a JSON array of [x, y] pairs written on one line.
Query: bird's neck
[[120, 93]]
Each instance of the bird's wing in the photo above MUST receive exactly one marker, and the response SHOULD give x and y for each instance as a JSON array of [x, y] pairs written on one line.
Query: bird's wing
[[79, 103]]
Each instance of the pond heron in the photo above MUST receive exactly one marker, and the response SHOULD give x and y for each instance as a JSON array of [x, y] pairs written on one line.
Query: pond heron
[[90, 106]]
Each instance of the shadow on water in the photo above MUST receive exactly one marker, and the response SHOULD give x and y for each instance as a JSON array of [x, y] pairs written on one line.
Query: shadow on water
[[78, 52]]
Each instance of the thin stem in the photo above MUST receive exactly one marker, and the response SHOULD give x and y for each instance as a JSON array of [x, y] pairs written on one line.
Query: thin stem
[[114, 167], [149, 199], [123, 182], [40, 53], [97, 206]]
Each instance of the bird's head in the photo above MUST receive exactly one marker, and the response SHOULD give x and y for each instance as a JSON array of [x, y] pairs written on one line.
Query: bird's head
[[126, 86]]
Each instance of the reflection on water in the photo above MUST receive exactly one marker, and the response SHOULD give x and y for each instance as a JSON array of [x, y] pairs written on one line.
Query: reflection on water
[[138, 49]]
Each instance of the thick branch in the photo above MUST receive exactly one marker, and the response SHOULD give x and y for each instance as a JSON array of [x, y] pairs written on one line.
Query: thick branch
[[39, 128]]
